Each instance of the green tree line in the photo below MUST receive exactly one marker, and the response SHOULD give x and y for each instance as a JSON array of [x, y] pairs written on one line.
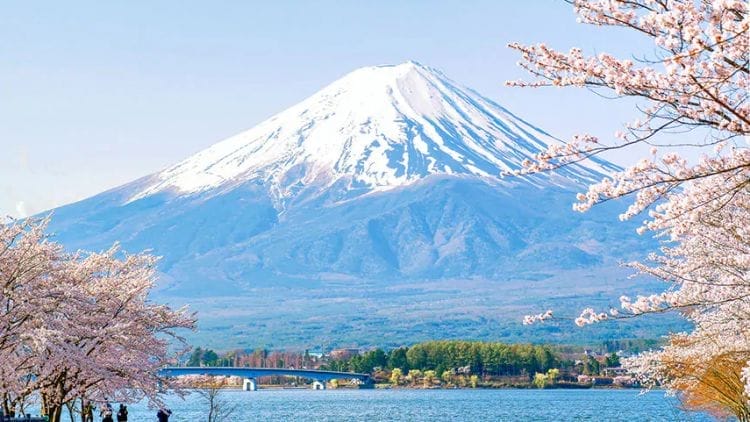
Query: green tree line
[[481, 358], [207, 357]]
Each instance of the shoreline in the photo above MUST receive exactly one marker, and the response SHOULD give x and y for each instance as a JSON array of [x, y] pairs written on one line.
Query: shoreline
[[404, 387]]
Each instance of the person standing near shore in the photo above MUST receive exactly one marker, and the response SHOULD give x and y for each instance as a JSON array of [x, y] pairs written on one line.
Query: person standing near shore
[[106, 412], [163, 414], [122, 413]]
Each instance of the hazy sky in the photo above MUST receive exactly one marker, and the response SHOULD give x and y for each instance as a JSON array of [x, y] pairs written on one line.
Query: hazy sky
[[96, 94]]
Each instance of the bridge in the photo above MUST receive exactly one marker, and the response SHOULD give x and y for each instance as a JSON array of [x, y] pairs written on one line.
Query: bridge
[[252, 374]]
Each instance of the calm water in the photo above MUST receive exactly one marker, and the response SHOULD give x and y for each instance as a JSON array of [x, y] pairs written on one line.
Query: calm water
[[432, 405]]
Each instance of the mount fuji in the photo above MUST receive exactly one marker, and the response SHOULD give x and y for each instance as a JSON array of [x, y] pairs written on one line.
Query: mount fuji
[[373, 212]]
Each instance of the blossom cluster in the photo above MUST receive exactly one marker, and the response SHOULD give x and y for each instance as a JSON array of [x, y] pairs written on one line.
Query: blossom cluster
[[651, 303], [699, 78], [531, 319], [589, 316]]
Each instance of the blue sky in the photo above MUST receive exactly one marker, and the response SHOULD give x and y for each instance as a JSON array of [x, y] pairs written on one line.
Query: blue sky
[[96, 94]]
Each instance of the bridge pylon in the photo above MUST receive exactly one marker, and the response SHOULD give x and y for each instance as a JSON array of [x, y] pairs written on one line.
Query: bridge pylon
[[249, 384]]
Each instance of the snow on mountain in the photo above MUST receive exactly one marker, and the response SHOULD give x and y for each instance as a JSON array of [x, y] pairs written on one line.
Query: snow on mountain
[[378, 128], [375, 205]]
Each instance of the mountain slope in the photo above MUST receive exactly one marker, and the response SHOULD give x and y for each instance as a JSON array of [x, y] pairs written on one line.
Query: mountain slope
[[382, 188]]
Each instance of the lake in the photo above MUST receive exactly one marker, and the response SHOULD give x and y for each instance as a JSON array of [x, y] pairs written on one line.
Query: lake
[[432, 405]]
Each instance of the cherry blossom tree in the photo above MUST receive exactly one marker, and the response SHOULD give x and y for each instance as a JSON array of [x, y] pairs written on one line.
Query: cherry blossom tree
[[27, 262], [707, 261], [694, 87], [89, 331], [116, 342]]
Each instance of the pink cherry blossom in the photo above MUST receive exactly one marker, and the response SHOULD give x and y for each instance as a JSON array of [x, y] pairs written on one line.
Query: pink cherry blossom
[[80, 326], [697, 80]]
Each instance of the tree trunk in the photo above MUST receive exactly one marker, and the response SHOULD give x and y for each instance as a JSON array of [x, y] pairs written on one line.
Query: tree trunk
[[71, 410], [7, 409], [55, 413]]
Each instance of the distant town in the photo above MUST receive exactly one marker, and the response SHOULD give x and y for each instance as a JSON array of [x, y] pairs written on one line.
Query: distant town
[[442, 364]]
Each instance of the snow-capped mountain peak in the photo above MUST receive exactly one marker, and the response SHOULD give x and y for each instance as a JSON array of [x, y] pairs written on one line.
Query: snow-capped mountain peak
[[372, 206], [374, 129]]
